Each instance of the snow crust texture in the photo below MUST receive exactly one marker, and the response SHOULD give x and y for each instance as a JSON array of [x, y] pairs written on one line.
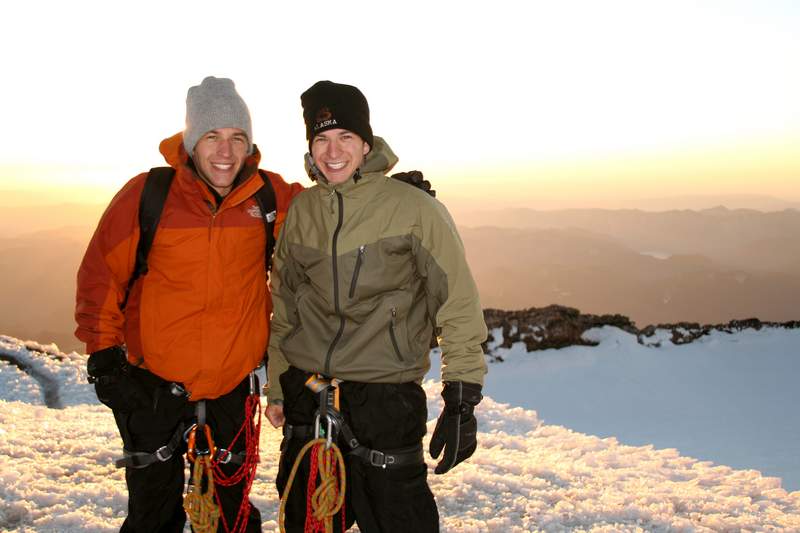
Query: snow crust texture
[[56, 471]]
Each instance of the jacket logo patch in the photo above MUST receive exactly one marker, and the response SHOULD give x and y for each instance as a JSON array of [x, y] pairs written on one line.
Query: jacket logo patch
[[255, 212]]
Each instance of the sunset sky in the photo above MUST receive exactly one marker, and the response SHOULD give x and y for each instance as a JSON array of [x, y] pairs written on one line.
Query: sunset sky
[[503, 103]]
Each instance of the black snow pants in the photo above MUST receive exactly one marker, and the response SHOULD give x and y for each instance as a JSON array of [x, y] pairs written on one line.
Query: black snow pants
[[155, 492], [383, 416]]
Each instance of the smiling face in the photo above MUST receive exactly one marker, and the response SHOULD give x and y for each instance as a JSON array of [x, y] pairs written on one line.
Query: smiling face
[[219, 156], [338, 153]]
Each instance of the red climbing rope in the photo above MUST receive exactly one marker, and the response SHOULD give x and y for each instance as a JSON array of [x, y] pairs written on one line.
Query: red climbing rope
[[247, 470]]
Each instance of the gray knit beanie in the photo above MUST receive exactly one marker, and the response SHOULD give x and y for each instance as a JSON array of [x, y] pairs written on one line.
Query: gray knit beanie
[[215, 104]]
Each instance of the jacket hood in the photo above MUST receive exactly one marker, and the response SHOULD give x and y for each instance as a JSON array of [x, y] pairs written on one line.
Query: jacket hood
[[173, 151], [175, 154], [380, 159]]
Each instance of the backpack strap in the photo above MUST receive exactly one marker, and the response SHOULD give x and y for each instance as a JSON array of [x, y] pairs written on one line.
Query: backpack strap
[[151, 204], [265, 198]]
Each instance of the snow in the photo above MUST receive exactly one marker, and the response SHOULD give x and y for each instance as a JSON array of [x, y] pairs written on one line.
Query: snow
[[56, 472], [62, 375], [728, 398]]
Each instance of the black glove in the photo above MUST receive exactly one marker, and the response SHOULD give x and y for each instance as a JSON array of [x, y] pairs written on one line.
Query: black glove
[[110, 372], [457, 429], [416, 179]]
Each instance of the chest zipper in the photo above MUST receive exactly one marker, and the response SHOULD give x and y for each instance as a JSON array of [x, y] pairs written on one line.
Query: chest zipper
[[356, 270], [213, 210], [335, 267], [392, 324]]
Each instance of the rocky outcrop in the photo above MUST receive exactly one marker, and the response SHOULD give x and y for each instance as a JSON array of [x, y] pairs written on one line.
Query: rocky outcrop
[[686, 332], [556, 326]]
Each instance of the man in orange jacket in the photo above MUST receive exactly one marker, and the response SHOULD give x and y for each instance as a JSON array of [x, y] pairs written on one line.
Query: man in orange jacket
[[195, 325]]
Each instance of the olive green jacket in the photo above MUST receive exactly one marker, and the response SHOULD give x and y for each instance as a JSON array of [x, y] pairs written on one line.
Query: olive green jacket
[[363, 272]]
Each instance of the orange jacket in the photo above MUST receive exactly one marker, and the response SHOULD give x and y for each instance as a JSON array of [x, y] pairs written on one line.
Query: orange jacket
[[200, 316]]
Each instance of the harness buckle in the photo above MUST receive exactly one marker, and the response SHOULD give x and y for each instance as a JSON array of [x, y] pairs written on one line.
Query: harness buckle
[[224, 456], [178, 390], [377, 458], [163, 454]]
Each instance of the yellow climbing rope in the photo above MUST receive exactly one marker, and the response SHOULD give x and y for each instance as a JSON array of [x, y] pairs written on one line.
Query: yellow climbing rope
[[200, 506], [327, 498]]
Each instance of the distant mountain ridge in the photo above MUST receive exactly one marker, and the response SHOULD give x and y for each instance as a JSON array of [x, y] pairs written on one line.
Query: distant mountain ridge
[[20, 220], [740, 238], [599, 273], [698, 202], [709, 266]]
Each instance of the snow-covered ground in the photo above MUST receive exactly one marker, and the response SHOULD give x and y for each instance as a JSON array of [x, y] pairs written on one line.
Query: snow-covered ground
[[728, 398], [56, 472]]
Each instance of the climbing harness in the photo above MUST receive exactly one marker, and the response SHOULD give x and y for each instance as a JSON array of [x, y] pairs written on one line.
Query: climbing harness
[[325, 499], [411, 455], [132, 459], [201, 501], [248, 461], [202, 507], [329, 426]]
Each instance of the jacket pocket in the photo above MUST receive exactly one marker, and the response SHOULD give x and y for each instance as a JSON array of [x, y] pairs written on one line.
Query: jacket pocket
[[393, 336], [356, 270]]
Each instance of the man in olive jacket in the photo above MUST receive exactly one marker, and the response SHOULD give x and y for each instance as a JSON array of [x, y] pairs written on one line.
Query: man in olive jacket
[[365, 269]]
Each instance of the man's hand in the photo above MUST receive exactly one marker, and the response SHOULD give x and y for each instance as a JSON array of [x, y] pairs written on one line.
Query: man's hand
[[109, 370], [416, 179], [275, 416], [457, 429]]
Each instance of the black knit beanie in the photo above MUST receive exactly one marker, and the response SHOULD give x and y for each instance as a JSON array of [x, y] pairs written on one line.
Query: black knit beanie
[[328, 105]]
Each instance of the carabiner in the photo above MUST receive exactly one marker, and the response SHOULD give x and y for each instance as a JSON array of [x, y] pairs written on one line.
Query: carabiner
[[316, 427], [329, 438], [252, 382], [328, 433], [191, 451]]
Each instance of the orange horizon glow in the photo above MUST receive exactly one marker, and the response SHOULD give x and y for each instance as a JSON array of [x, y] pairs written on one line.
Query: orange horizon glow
[[758, 168], [518, 104]]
